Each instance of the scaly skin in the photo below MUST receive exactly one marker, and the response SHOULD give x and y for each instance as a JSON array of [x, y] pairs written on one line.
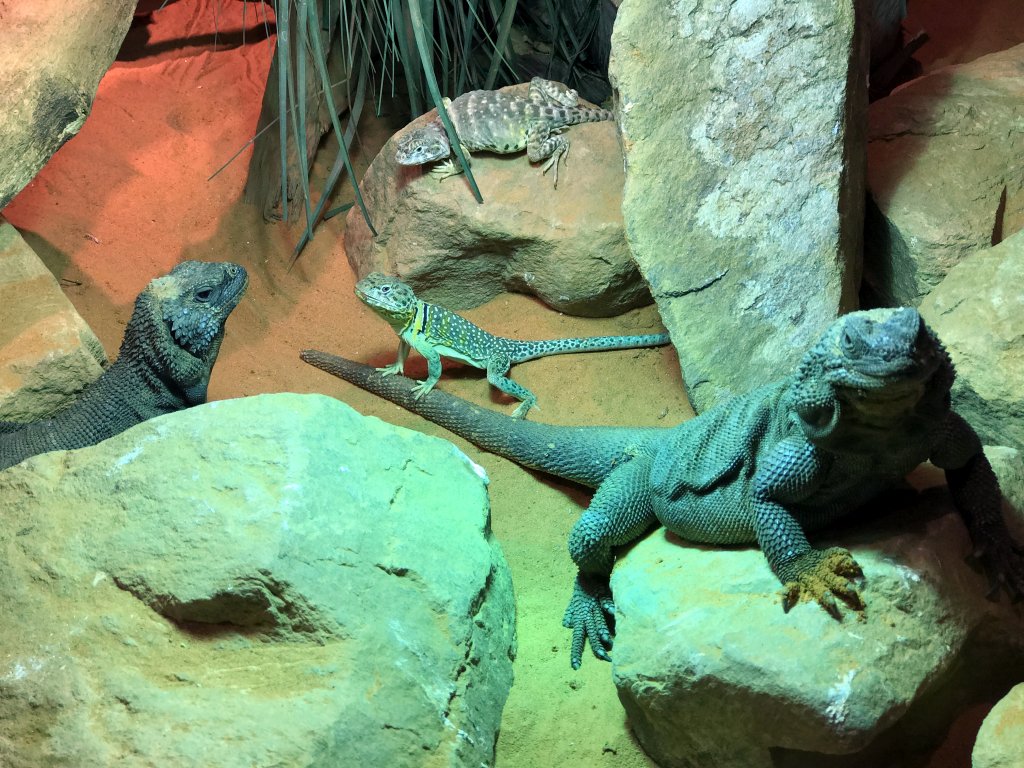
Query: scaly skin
[[434, 331], [868, 403], [501, 122], [168, 351]]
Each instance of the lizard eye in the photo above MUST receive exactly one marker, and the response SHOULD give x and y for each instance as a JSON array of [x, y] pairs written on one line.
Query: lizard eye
[[385, 289], [848, 342], [204, 295]]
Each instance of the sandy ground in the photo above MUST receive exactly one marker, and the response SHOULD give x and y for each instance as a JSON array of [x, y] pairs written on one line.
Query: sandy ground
[[129, 197]]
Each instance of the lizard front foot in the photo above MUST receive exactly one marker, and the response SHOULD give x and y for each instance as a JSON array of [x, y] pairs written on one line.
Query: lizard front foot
[[448, 168], [391, 370], [818, 574], [587, 615]]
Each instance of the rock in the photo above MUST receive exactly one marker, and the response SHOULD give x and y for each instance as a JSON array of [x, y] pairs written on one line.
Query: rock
[[48, 353], [945, 173], [1008, 464], [1000, 742], [49, 71], [566, 245], [744, 179], [267, 581], [712, 672], [978, 312]]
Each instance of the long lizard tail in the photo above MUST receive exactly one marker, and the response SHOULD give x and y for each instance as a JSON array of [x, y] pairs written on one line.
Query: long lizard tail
[[531, 350], [582, 454]]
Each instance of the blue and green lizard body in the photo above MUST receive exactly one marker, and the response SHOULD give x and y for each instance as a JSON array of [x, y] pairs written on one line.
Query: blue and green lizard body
[[434, 331]]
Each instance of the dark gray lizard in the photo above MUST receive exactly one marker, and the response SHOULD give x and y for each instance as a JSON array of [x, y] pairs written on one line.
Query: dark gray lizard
[[170, 345], [868, 403]]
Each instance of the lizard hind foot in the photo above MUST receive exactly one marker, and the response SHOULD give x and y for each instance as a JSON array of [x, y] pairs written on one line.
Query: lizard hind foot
[[421, 388], [822, 575], [590, 615]]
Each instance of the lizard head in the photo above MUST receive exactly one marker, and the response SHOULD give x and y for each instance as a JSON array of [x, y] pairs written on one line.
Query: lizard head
[[195, 299], [423, 145], [388, 296], [872, 368]]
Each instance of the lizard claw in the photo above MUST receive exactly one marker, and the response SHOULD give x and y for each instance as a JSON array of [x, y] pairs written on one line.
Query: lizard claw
[[1001, 560], [587, 615], [524, 407], [391, 370], [823, 575]]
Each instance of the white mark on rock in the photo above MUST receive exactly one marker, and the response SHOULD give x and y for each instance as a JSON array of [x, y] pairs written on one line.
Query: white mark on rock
[[838, 695]]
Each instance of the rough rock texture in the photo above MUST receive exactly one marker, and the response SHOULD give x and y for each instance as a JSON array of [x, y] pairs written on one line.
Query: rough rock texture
[[744, 180], [712, 672], [946, 173], [51, 60], [1000, 742], [566, 245], [270, 581], [47, 352], [978, 312], [1008, 464]]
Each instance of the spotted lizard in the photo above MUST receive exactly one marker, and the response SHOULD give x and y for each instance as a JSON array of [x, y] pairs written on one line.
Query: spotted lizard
[[502, 121], [434, 331]]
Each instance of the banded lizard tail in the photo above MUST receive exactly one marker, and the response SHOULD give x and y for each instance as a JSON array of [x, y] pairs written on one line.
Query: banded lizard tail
[[433, 331], [503, 122], [867, 403]]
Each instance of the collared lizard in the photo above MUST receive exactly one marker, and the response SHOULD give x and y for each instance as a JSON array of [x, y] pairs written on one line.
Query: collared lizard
[[170, 345], [502, 122], [434, 331], [867, 404]]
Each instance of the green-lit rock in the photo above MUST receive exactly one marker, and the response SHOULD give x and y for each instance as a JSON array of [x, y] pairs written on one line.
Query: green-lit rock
[[742, 127], [944, 172], [267, 581], [712, 672], [47, 352], [1000, 742], [978, 312]]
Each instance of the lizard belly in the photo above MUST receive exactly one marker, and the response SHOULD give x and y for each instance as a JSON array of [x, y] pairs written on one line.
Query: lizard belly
[[456, 354]]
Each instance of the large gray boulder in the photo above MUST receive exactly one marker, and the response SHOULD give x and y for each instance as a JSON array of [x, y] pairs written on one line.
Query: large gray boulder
[[712, 672], [741, 125], [946, 174], [47, 352], [567, 246], [268, 581], [978, 312], [53, 55], [1000, 742]]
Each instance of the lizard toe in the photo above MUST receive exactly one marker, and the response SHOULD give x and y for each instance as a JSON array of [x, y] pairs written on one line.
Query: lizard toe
[[822, 576], [587, 616], [1001, 561]]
